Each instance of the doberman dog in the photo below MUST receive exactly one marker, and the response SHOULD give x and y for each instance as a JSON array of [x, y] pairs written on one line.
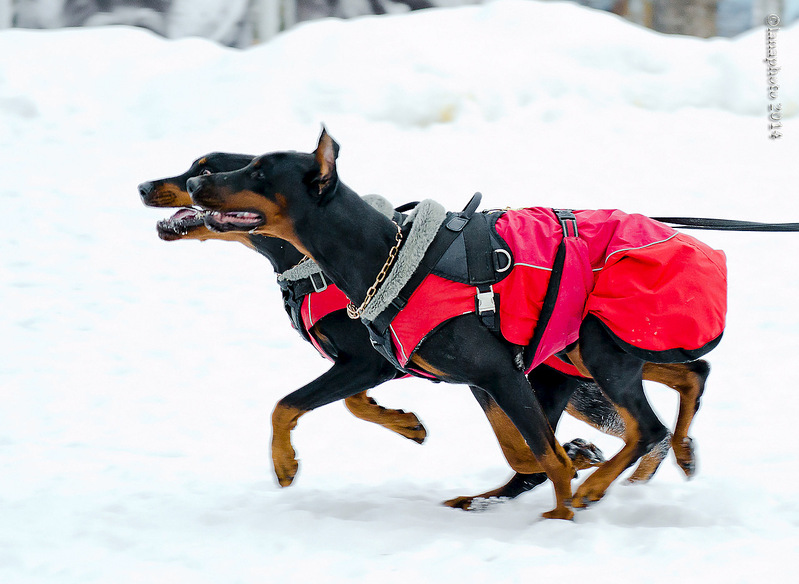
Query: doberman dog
[[299, 198], [356, 364]]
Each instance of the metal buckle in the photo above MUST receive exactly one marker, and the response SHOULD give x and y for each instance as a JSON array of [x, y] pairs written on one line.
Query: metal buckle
[[485, 301], [321, 287]]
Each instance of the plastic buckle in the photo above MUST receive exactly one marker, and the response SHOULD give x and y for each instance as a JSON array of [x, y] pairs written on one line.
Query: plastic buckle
[[485, 301], [567, 218], [321, 287]]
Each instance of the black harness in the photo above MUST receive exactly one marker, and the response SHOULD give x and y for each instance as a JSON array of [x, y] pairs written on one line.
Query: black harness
[[468, 249], [295, 291]]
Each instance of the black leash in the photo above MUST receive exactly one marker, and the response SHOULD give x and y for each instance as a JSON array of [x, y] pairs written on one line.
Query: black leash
[[725, 224]]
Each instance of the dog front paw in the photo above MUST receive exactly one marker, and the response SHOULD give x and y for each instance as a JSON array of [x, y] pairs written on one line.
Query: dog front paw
[[286, 471]]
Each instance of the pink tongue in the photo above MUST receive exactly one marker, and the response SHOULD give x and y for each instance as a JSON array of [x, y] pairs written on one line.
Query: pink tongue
[[184, 214]]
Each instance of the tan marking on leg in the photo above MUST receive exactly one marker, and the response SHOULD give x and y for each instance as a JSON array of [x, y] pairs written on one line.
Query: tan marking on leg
[[689, 385], [577, 360], [284, 420], [403, 423], [514, 447], [594, 487], [425, 366], [560, 471], [650, 462], [554, 462], [466, 502]]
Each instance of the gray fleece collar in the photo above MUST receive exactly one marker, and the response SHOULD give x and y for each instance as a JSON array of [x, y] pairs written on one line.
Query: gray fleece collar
[[426, 219], [308, 268]]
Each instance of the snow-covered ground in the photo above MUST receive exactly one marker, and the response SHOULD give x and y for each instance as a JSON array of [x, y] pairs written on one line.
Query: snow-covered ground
[[137, 377]]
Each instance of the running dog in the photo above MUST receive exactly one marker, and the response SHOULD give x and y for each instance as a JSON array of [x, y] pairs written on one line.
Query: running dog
[[317, 310], [610, 321]]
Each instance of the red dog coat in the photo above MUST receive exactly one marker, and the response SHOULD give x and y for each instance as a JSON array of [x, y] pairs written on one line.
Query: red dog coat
[[663, 294]]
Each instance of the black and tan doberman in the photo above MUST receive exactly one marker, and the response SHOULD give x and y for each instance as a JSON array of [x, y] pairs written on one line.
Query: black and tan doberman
[[356, 366], [298, 197], [347, 342]]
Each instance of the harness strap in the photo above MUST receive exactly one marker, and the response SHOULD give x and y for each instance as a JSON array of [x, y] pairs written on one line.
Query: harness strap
[[568, 223], [379, 327], [295, 291], [480, 266], [293, 295], [453, 226]]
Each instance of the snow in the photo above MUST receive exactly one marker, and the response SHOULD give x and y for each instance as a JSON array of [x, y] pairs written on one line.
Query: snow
[[138, 377]]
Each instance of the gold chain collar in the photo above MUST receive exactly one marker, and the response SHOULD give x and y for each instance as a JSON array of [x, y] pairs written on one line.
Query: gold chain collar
[[355, 313]]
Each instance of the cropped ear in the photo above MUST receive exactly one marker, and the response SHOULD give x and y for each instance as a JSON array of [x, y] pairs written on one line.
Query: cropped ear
[[324, 180]]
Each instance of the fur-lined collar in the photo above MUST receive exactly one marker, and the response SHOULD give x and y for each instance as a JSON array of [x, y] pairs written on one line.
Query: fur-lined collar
[[426, 219]]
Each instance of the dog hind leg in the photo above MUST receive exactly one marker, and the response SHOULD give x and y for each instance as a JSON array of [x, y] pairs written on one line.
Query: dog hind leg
[[620, 375], [688, 379]]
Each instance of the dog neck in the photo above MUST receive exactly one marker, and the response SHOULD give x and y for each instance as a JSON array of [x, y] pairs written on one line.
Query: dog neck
[[349, 239], [281, 254]]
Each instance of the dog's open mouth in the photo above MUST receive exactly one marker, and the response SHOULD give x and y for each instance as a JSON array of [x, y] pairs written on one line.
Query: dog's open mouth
[[179, 224], [234, 220]]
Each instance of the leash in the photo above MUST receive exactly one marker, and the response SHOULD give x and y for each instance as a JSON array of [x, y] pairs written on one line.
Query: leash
[[726, 224]]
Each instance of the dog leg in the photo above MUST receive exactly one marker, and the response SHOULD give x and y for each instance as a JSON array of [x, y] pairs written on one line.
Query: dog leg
[[346, 378], [284, 420], [467, 352], [620, 375], [688, 379], [512, 393], [589, 405], [552, 388], [403, 423], [518, 484], [582, 453]]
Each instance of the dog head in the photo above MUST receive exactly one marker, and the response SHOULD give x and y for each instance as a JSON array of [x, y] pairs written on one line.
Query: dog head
[[188, 222], [272, 194]]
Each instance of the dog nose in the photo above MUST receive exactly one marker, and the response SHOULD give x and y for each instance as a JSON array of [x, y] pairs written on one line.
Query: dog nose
[[193, 184], [146, 189]]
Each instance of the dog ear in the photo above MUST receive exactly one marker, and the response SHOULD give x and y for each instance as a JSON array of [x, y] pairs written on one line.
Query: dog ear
[[324, 179]]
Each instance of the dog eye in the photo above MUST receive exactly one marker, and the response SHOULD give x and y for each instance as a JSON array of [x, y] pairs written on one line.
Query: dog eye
[[258, 175], [205, 172]]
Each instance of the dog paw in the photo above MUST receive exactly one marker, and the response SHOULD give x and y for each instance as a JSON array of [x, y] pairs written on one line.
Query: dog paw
[[586, 496], [406, 424], [584, 454], [463, 503], [685, 454], [285, 470], [559, 513], [474, 504], [414, 431]]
